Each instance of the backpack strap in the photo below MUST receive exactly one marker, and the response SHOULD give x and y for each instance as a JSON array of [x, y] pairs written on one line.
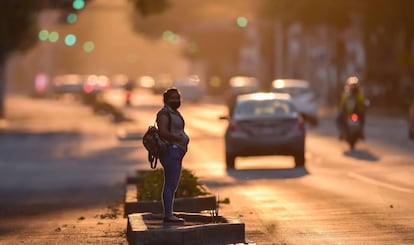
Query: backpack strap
[[152, 159], [164, 110]]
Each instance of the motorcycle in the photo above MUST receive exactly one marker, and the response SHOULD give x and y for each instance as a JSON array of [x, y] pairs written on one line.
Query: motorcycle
[[352, 130], [128, 95], [128, 87]]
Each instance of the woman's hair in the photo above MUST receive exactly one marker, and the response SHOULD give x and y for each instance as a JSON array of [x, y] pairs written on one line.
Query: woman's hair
[[169, 92]]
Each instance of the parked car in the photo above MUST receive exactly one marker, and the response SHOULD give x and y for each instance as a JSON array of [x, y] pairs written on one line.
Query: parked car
[[95, 84], [302, 95], [240, 85], [190, 88], [411, 120], [71, 84], [265, 124], [118, 81]]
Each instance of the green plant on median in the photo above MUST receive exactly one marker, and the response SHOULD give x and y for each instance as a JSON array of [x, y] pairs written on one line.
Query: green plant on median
[[100, 106], [224, 201], [150, 185]]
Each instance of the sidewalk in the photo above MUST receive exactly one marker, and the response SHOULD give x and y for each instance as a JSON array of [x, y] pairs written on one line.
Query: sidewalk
[[61, 175]]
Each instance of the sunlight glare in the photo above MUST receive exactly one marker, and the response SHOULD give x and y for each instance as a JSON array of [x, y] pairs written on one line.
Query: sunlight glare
[[278, 83]]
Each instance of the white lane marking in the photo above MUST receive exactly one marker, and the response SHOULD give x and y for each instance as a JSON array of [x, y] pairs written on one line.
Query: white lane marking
[[379, 183]]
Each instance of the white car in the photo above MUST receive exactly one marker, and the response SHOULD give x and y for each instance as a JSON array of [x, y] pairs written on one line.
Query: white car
[[302, 97], [239, 85]]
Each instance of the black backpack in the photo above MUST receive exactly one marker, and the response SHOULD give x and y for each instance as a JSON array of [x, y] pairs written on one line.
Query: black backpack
[[154, 144]]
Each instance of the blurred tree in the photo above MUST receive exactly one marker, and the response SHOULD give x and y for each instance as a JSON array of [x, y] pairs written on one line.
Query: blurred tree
[[388, 24], [310, 13], [150, 7], [333, 13], [208, 29], [19, 31], [391, 18], [384, 22]]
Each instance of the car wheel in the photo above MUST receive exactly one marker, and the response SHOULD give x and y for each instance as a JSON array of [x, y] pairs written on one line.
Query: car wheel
[[300, 160], [230, 161]]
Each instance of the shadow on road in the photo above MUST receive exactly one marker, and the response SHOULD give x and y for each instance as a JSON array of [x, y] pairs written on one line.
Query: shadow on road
[[47, 172], [253, 174], [365, 155]]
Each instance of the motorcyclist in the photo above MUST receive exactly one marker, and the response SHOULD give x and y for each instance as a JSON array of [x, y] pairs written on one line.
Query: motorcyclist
[[352, 101], [128, 87]]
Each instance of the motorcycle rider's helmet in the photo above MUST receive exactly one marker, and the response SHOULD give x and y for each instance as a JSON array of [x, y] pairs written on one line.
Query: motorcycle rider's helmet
[[352, 84]]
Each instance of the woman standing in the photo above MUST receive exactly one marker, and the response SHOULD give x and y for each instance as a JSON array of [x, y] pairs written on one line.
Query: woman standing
[[171, 128]]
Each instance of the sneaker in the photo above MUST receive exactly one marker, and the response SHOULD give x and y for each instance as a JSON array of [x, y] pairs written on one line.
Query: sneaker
[[173, 219]]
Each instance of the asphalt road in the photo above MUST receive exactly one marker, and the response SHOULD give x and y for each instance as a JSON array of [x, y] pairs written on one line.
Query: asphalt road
[[362, 196], [62, 171]]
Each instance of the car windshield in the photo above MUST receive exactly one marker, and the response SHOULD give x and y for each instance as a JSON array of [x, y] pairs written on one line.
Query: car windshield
[[293, 91], [263, 108], [244, 89]]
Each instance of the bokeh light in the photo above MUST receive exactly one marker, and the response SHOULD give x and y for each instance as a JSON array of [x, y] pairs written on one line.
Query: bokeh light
[[70, 39], [215, 82], [72, 18], [192, 47], [176, 38], [53, 36], [43, 35], [78, 4], [167, 35], [242, 21], [171, 37], [88, 46]]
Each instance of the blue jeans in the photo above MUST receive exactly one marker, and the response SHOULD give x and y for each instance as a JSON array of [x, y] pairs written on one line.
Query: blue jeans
[[172, 164]]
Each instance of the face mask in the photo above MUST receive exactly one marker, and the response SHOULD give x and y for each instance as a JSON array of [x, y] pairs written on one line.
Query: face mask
[[174, 104]]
